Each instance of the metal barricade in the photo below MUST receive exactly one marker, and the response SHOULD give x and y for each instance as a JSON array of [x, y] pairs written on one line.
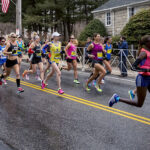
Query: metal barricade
[[115, 62]]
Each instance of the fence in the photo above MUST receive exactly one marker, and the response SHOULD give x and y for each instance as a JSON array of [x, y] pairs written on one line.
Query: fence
[[118, 57]]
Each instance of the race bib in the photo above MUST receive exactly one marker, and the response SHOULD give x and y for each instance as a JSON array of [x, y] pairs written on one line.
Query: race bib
[[109, 51], [73, 53], [14, 51], [38, 53], [99, 55], [57, 56]]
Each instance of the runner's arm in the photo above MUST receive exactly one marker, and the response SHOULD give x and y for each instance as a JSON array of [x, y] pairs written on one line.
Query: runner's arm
[[6, 49], [135, 66]]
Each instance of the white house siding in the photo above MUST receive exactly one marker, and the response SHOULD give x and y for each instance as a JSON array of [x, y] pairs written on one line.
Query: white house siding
[[120, 18], [141, 7], [101, 16]]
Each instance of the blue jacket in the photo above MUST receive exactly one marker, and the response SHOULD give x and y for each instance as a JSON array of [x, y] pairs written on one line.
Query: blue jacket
[[86, 46], [124, 46]]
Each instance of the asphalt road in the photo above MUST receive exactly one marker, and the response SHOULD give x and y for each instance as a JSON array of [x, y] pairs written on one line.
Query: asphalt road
[[43, 120]]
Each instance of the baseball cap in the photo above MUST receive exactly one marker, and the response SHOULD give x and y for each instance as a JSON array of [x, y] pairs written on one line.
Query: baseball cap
[[55, 34]]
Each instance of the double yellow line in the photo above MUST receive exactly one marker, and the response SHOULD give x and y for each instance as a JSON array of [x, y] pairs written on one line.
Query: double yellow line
[[88, 103]]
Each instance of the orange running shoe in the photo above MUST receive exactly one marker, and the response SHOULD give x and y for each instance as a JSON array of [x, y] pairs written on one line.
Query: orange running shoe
[[24, 73]]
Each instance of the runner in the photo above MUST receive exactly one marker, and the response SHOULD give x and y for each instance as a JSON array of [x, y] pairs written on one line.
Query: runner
[[107, 59], [30, 55], [44, 52], [97, 62], [20, 44], [71, 53], [36, 60], [3, 58], [142, 65], [47, 55], [12, 62], [55, 48]]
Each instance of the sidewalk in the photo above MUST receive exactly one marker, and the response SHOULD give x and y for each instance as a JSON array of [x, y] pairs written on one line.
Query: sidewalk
[[115, 70]]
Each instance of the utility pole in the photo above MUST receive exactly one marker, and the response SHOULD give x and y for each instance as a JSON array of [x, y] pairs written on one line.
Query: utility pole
[[19, 17]]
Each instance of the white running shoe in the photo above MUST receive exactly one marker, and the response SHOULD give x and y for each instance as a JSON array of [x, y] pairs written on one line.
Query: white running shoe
[[27, 77]]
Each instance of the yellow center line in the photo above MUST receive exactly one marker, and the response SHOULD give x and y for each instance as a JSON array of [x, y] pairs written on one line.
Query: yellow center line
[[89, 103]]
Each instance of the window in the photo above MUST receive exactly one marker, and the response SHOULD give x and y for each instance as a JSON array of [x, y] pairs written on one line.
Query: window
[[108, 19], [131, 12]]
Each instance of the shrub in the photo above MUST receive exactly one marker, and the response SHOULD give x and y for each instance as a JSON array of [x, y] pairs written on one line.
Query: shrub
[[95, 26], [138, 26]]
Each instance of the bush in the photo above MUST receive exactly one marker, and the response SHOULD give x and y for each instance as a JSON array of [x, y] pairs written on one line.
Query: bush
[[138, 26], [95, 26]]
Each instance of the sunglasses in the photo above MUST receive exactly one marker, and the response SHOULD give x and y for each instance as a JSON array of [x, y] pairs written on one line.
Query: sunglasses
[[3, 41], [13, 37], [72, 38]]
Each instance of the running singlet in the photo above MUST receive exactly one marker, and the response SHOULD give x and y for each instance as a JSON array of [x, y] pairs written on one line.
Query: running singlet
[[108, 49], [37, 51], [20, 47], [13, 49], [2, 56], [72, 51], [145, 64], [46, 49], [55, 52], [97, 51]]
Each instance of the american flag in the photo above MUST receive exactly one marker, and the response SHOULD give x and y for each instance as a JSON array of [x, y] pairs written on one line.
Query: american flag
[[5, 5]]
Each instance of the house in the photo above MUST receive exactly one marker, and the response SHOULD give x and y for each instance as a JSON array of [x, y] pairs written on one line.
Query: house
[[116, 13]]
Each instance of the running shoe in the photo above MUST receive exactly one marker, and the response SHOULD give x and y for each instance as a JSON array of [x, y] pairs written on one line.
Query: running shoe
[[87, 88], [103, 81], [60, 91], [1, 81], [24, 73], [38, 78], [27, 77], [94, 83], [76, 81], [98, 88], [43, 85], [4, 81], [132, 95], [114, 99], [108, 72], [46, 84], [20, 90]]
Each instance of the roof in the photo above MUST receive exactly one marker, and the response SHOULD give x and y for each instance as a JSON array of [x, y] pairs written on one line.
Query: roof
[[112, 4]]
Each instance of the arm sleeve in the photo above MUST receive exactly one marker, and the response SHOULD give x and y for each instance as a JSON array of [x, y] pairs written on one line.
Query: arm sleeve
[[135, 66]]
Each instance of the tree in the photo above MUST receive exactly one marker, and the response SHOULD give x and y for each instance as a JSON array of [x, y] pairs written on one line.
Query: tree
[[95, 26], [137, 26], [60, 15]]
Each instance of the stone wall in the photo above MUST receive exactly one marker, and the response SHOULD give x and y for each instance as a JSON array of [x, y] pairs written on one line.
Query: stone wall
[[120, 20]]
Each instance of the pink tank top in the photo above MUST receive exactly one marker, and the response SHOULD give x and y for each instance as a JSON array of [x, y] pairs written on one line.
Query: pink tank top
[[72, 51], [145, 63]]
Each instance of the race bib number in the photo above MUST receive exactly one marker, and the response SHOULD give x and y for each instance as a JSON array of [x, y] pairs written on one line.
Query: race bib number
[[38, 53], [109, 51], [99, 55], [15, 51], [73, 53]]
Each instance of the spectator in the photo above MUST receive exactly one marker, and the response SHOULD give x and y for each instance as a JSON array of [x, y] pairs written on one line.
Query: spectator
[[123, 45], [89, 41]]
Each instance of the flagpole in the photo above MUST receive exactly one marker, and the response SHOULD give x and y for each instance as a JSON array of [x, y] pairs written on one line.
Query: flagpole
[[19, 17]]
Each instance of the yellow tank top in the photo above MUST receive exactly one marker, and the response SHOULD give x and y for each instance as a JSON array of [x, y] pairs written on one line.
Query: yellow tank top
[[55, 52]]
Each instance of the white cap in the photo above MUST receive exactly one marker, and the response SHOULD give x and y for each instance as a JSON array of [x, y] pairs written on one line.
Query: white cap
[[55, 34]]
